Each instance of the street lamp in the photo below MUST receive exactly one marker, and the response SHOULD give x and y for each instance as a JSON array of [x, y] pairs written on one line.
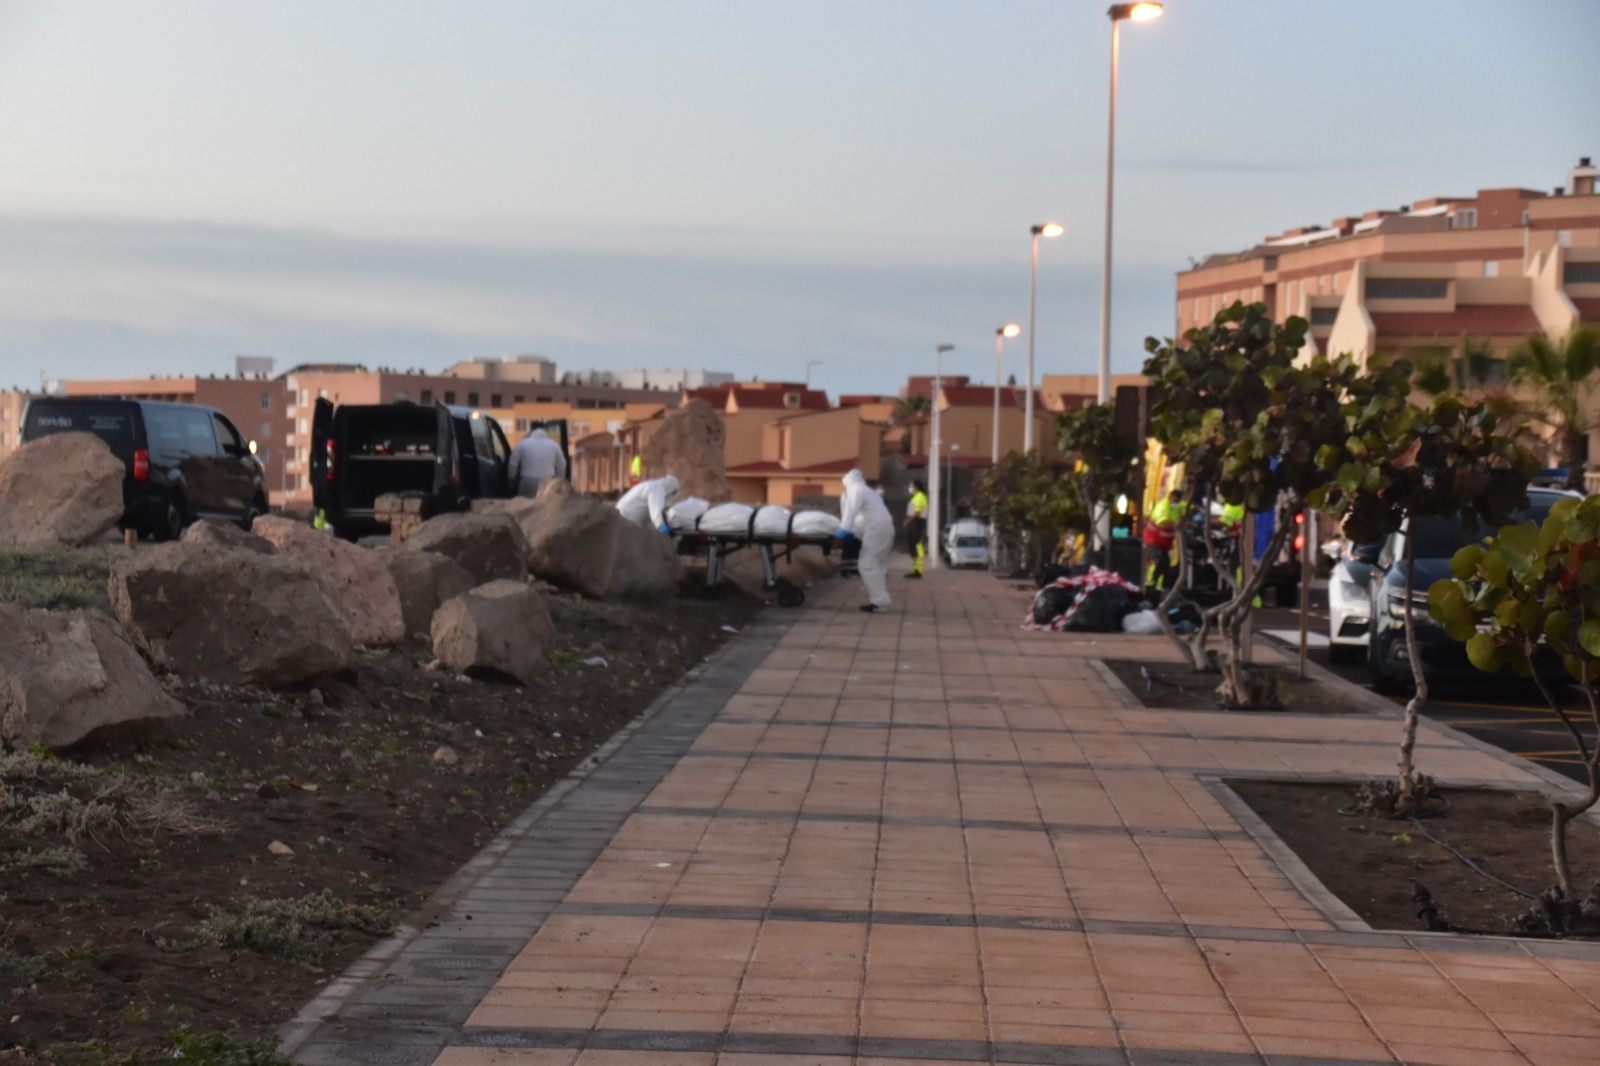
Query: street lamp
[[933, 452], [1142, 12], [1046, 229], [950, 468], [809, 364], [1010, 329]]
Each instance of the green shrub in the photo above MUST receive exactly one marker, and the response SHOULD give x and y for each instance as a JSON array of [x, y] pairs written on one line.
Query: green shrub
[[295, 929]]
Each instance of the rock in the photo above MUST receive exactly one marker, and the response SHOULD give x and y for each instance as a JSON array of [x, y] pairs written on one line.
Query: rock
[[582, 544], [280, 849], [425, 580], [445, 755], [501, 628], [689, 444], [556, 486], [487, 544], [60, 490], [355, 577], [66, 674], [230, 616], [227, 535]]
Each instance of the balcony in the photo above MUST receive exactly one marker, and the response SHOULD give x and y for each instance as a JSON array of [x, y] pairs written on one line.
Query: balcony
[[1591, 482]]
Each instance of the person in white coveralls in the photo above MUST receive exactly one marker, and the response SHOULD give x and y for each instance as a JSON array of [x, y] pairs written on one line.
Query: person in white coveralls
[[646, 503], [862, 514]]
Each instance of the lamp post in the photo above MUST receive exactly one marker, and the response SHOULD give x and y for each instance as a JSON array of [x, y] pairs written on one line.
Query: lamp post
[[934, 501], [1010, 329], [809, 364], [1141, 12], [1046, 229], [950, 470]]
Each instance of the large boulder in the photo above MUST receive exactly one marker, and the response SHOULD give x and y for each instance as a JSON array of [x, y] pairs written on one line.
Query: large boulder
[[502, 628], [356, 577], [690, 445], [220, 534], [234, 617], [67, 674], [582, 544], [64, 489], [486, 543], [425, 580]]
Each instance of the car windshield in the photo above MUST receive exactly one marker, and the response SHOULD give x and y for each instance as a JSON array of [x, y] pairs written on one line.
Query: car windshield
[[1440, 538], [971, 542]]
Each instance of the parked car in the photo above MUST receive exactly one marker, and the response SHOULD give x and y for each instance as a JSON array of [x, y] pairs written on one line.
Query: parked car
[[1350, 600], [966, 543], [1437, 540], [450, 455], [184, 461]]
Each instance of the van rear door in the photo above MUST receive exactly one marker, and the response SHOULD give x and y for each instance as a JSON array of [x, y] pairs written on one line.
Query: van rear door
[[448, 474], [322, 463]]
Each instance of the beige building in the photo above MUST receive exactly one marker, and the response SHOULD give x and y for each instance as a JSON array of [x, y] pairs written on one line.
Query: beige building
[[510, 369], [1493, 268], [807, 455], [13, 404]]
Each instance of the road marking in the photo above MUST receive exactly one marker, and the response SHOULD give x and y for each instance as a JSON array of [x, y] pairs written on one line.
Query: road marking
[[1292, 636]]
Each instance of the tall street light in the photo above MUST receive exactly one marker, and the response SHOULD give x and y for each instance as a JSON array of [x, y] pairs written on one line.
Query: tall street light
[[1142, 12], [1046, 229], [934, 527], [1010, 329]]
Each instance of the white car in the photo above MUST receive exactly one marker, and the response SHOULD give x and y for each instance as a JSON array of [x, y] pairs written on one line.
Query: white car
[[966, 543], [1350, 601]]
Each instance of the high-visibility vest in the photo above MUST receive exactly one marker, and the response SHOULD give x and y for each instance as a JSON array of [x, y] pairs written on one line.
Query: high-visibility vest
[[636, 468], [1232, 515], [919, 504]]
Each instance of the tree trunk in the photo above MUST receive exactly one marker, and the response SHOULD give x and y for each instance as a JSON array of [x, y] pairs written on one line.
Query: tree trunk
[[1235, 690], [1572, 449], [1562, 814], [1406, 795]]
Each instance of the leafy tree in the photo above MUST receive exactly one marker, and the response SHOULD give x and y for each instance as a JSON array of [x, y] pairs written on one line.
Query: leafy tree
[[1525, 589], [1564, 386], [1105, 465], [1446, 457], [907, 409], [1030, 503]]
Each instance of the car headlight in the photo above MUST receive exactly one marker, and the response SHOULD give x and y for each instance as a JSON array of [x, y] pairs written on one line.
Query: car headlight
[[1419, 606]]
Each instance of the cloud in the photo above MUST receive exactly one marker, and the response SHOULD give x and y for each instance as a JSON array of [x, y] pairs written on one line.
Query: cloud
[[85, 297]]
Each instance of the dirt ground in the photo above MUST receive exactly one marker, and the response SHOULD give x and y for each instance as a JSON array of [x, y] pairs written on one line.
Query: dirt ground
[[125, 926], [1177, 686], [1374, 863]]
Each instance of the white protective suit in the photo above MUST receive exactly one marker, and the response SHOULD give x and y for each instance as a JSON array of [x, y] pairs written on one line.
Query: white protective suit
[[863, 513], [535, 459], [646, 503]]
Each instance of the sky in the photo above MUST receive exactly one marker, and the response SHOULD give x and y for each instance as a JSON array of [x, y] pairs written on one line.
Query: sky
[[742, 185]]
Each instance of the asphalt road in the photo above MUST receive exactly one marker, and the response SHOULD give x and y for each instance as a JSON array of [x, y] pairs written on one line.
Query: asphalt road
[[1507, 713]]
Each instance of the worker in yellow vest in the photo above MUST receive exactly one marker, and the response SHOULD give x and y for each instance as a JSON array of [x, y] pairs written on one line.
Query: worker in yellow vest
[[636, 470], [917, 528], [1160, 533]]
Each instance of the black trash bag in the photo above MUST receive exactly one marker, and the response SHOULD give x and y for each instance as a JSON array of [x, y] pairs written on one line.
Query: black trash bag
[[1048, 573], [1102, 610], [1184, 612], [1051, 602]]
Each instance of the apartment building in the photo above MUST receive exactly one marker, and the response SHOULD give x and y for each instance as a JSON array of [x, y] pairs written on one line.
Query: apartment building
[[13, 403], [966, 426], [1062, 392], [600, 417], [1493, 268], [516, 369], [807, 454]]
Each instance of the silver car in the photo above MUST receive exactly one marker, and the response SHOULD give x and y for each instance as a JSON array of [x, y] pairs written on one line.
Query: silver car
[[966, 543]]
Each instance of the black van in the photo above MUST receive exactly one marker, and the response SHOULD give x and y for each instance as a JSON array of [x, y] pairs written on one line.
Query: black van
[[184, 461], [452, 455]]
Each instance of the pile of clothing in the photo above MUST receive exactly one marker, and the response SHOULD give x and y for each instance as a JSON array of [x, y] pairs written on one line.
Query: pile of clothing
[[1092, 601]]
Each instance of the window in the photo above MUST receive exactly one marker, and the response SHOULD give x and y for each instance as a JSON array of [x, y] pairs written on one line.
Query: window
[[1466, 218], [266, 401], [227, 436], [1324, 316], [266, 430], [1406, 289], [449, 397], [472, 399], [1581, 273], [517, 398], [1564, 238], [300, 427], [495, 398], [1491, 268], [402, 397], [427, 396]]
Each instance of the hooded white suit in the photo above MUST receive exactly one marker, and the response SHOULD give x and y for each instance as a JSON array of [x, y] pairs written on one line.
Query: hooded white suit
[[646, 503], [535, 458], [863, 513]]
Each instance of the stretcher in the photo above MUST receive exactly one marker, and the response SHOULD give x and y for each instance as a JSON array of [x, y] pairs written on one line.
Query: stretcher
[[770, 548]]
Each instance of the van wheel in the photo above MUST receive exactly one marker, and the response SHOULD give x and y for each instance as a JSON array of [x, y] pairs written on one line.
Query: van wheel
[[171, 527], [256, 509]]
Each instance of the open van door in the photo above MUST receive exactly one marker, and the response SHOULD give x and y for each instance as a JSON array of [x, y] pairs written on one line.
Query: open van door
[[447, 478], [321, 458], [557, 429]]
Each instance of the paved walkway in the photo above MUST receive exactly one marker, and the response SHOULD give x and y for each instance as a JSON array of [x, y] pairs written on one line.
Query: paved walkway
[[930, 836]]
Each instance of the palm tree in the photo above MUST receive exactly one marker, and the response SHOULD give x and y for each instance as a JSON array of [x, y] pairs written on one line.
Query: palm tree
[[908, 408], [1564, 379]]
